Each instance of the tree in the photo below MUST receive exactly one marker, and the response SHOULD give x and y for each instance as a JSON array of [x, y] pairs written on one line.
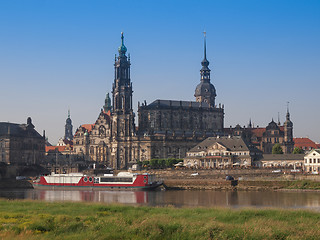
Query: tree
[[154, 163], [298, 150], [276, 149]]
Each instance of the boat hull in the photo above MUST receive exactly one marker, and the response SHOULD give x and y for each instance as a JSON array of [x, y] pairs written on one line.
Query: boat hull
[[96, 187], [76, 181]]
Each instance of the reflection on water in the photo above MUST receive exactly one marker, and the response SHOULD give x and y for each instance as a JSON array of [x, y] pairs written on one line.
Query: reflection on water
[[309, 200]]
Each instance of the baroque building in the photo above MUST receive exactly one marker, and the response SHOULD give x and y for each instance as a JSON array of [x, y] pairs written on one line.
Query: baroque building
[[166, 128], [21, 143], [264, 138], [222, 152], [185, 117]]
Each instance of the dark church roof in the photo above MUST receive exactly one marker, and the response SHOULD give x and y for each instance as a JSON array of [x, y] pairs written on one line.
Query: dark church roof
[[163, 104], [17, 130]]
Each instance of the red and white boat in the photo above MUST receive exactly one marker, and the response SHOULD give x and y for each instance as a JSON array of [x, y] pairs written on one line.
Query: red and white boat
[[124, 180]]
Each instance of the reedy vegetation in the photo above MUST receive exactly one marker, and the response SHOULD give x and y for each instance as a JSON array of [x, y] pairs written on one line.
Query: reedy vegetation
[[69, 220]]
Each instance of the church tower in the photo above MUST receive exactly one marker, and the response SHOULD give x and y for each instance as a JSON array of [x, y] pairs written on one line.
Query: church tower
[[288, 134], [122, 115], [68, 128], [122, 86], [107, 104], [205, 91]]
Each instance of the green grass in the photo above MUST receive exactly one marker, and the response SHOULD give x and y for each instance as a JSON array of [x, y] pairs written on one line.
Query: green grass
[[303, 184], [43, 220]]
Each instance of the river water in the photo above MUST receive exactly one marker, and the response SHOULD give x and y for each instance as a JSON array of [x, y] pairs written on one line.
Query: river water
[[182, 198]]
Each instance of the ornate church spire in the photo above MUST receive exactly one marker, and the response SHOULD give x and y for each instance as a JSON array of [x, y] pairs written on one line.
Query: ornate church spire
[[68, 128], [288, 133], [205, 91], [122, 86]]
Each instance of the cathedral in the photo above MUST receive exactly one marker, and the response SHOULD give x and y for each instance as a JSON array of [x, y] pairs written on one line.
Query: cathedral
[[166, 128]]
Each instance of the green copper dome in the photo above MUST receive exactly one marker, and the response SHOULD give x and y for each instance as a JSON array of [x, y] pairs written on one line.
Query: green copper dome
[[122, 49]]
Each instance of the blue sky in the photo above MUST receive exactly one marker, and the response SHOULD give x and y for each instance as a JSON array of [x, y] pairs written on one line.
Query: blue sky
[[59, 54]]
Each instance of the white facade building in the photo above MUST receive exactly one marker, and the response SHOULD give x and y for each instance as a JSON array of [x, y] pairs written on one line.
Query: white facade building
[[312, 161]]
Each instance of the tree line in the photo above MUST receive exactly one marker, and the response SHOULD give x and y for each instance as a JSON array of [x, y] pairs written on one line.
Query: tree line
[[159, 163]]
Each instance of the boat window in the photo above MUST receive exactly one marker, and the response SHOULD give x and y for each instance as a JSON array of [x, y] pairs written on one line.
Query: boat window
[[85, 179], [90, 179], [115, 179]]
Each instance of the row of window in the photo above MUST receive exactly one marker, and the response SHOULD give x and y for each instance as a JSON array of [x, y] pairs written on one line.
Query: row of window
[[218, 154], [314, 160], [314, 169], [276, 140]]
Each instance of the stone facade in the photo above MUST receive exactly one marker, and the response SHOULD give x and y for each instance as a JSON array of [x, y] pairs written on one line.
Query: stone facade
[[182, 117], [167, 129], [21, 143]]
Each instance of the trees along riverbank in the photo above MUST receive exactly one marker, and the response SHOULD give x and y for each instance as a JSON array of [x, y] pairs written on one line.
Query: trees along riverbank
[[43, 220]]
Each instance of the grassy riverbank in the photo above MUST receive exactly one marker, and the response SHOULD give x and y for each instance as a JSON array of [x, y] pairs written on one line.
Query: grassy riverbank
[[42, 220], [243, 185]]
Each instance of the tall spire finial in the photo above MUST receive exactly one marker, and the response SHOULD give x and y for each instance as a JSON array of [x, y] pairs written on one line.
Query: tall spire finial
[[68, 112], [279, 119], [122, 49], [288, 114], [205, 44]]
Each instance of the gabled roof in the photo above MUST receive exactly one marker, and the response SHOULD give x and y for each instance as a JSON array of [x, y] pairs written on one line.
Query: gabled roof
[[88, 127], [235, 143], [84, 127], [312, 152], [105, 115]]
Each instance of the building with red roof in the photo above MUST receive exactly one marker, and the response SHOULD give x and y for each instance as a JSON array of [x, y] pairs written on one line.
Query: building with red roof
[[264, 138], [305, 143]]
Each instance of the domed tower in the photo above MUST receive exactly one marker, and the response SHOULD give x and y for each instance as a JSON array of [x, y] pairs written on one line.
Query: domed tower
[[205, 91], [288, 133], [68, 128]]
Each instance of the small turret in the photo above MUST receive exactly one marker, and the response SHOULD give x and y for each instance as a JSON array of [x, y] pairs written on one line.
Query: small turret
[[107, 104], [29, 123]]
